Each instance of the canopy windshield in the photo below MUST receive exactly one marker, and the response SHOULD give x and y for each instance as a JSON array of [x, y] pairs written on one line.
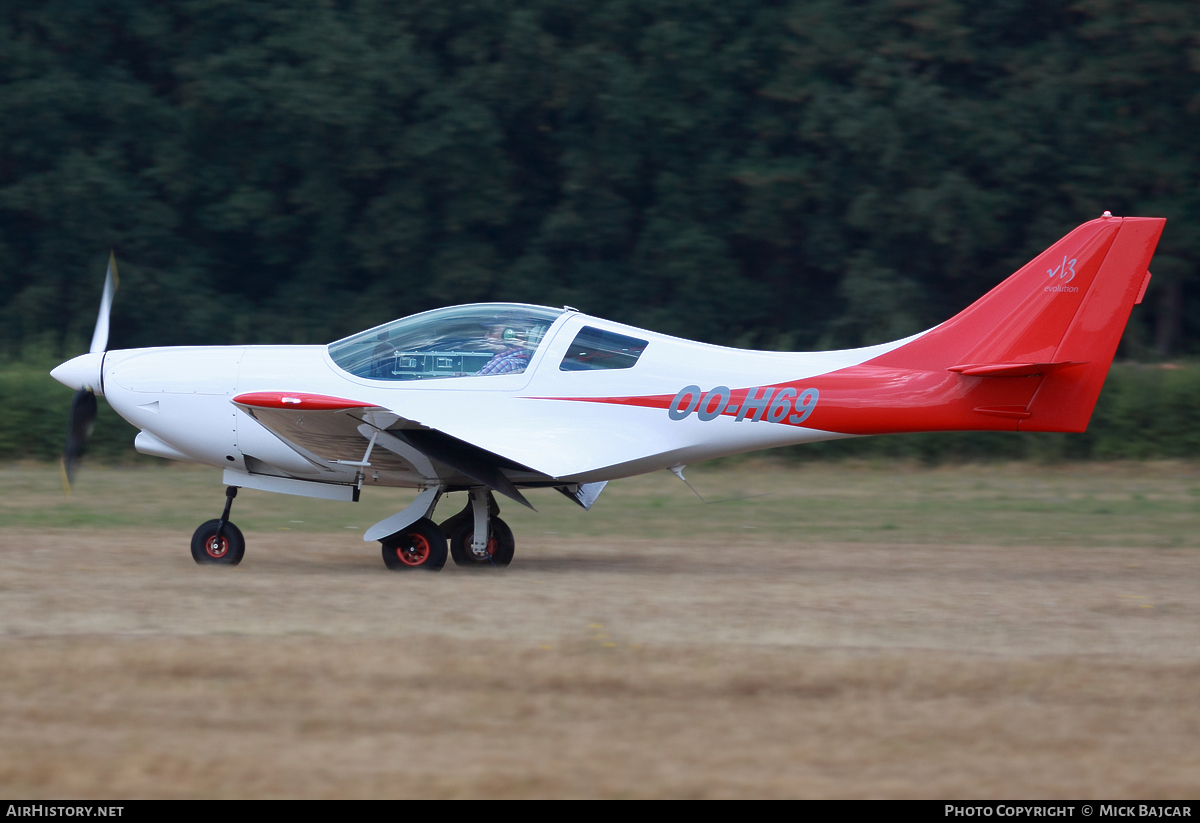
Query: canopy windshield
[[483, 339]]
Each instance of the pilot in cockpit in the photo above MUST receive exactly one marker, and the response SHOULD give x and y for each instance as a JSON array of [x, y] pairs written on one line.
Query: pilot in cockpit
[[512, 347]]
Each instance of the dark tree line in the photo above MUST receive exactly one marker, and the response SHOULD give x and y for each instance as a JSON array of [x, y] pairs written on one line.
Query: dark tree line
[[773, 174]]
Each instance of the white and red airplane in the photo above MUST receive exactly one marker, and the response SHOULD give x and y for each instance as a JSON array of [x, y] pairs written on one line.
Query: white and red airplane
[[502, 397]]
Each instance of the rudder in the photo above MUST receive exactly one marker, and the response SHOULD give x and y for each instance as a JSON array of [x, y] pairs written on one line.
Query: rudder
[[1065, 399]]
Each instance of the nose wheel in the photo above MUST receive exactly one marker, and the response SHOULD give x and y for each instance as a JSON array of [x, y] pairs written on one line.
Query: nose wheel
[[219, 542]]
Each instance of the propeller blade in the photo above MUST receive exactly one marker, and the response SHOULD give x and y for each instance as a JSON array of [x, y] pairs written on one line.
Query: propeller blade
[[111, 281], [83, 404], [79, 429]]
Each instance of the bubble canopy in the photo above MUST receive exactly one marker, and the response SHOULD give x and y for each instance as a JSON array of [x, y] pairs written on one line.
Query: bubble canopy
[[458, 341]]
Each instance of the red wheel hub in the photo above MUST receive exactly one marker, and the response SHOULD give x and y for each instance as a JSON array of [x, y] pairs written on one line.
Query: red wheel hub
[[216, 548], [491, 546], [414, 550]]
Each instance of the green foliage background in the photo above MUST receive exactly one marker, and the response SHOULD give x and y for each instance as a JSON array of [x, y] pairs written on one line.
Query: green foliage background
[[772, 174], [784, 174]]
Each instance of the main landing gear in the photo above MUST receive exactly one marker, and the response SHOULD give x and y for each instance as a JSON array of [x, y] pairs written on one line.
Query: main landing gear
[[422, 545], [419, 546], [219, 542], [495, 550], [496, 553]]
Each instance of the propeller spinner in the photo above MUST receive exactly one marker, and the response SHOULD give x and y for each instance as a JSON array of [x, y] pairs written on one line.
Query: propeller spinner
[[83, 374]]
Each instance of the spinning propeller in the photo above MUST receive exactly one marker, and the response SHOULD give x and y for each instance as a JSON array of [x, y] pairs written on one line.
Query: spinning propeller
[[83, 374]]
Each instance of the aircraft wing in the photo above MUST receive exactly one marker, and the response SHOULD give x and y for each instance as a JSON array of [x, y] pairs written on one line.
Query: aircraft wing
[[350, 433], [324, 429], [560, 438]]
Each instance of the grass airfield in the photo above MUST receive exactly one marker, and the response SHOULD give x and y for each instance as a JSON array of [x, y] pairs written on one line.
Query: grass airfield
[[858, 630]]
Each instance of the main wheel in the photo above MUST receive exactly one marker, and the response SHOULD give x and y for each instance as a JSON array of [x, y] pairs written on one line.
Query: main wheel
[[228, 551], [420, 546], [500, 545]]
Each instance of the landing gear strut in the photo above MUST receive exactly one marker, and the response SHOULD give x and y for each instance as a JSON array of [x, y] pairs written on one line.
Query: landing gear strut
[[495, 550], [219, 542]]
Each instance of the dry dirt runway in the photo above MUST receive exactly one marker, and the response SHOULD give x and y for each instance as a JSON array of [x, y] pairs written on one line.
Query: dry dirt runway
[[708, 664]]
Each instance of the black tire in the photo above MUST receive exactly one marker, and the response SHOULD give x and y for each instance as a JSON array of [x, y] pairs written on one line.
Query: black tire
[[420, 546], [229, 552], [501, 545]]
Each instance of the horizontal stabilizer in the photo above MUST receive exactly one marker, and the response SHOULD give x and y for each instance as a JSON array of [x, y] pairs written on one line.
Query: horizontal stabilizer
[[1013, 412], [1142, 292], [1013, 369]]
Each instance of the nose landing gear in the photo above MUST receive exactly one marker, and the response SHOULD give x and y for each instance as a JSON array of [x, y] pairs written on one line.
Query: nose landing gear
[[219, 542]]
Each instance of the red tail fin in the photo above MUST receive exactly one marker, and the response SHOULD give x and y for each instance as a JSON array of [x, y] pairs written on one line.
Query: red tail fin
[[1065, 400], [1029, 355], [1025, 318]]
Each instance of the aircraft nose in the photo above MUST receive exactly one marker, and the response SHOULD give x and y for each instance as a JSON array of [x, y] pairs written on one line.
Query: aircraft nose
[[82, 372]]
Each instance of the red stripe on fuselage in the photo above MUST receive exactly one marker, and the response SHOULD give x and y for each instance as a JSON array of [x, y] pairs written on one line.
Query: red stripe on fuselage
[[874, 399]]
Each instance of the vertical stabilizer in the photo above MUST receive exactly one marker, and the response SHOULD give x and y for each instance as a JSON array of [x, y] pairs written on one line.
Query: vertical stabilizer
[[1065, 399], [1024, 318], [1030, 355]]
